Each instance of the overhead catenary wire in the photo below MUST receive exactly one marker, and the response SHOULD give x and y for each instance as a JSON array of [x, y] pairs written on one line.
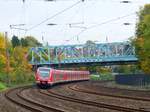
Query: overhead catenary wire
[[113, 1], [76, 0], [106, 22], [72, 17], [58, 13], [111, 20]]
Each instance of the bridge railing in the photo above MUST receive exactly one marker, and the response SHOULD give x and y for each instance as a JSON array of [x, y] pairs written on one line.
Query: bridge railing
[[82, 53]]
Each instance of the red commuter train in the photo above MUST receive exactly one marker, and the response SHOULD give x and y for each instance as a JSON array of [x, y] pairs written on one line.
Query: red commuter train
[[50, 76]]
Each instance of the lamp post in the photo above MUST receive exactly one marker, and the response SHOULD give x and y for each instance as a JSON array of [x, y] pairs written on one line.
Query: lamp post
[[7, 54], [7, 57]]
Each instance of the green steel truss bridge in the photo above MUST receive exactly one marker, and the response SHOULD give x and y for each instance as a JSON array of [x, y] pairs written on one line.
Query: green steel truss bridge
[[89, 53]]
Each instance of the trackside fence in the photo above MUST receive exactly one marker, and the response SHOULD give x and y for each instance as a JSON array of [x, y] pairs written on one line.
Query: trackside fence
[[133, 79]]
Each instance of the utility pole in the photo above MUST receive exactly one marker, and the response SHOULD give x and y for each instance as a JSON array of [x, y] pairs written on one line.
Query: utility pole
[[7, 54]]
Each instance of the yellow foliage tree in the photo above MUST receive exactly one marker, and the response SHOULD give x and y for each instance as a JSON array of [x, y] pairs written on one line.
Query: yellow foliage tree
[[19, 55], [2, 53], [142, 40], [2, 62], [2, 41]]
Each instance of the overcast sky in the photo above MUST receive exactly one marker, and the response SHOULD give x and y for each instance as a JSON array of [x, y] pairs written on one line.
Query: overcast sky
[[89, 20]]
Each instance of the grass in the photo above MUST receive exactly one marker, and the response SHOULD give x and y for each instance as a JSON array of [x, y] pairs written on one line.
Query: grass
[[102, 77], [2, 86]]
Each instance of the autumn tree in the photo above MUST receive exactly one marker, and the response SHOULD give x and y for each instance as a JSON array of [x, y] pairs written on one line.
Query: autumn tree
[[2, 41], [11, 51], [15, 41], [30, 41], [23, 42], [21, 62], [2, 52], [142, 40]]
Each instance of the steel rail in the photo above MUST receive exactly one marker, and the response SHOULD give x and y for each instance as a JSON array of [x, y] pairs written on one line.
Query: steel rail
[[91, 103], [28, 104], [75, 88]]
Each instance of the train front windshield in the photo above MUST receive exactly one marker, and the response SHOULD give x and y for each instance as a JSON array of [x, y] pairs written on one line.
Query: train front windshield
[[44, 72]]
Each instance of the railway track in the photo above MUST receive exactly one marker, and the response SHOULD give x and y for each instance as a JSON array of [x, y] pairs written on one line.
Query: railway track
[[91, 103], [76, 88], [129, 90], [15, 96]]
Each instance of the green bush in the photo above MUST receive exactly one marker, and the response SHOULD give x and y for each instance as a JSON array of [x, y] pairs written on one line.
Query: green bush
[[102, 77], [2, 86], [3, 77], [16, 78], [21, 78]]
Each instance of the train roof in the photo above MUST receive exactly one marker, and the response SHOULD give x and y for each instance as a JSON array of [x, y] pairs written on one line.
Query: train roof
[[48, 68]]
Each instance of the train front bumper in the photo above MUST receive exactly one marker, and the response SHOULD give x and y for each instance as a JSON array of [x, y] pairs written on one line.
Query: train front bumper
[[43, 82]]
